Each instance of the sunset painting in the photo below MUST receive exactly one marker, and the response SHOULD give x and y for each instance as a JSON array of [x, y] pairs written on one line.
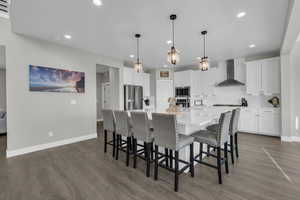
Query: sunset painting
[[44, 79]]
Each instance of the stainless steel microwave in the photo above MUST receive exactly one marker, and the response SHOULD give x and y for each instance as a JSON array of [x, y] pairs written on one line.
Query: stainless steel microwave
[[182, 92]]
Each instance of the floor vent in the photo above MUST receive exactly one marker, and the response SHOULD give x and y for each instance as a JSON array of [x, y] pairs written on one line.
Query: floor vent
[[4, 8]]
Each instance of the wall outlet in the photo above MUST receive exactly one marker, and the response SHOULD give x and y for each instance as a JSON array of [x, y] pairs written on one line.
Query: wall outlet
[[50, 134], [73, 102]]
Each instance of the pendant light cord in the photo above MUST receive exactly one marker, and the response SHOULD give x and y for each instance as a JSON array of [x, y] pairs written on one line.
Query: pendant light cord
[[137, 47], [204, 46], [173, 34]]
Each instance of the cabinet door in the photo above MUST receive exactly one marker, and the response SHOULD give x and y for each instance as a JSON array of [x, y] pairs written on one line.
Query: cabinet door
[[277, 124], [138, 78], [164, 90], [266, 122], [253, 76], [270, 77], [127, 76], [248, 121], [177, 79], [146, 85]]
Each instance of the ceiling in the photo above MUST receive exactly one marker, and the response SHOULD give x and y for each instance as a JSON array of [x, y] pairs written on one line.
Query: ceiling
[[109, 30]]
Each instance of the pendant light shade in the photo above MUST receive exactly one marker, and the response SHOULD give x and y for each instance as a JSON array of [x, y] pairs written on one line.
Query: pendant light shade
[[204, 62], [173, 54], [138, 67]]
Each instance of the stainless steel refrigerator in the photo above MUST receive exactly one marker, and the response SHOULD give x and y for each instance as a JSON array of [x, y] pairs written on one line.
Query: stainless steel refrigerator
[[133, 97]]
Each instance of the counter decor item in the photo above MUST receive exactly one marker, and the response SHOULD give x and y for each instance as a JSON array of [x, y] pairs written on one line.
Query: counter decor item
[[173, 108], [274, 101]]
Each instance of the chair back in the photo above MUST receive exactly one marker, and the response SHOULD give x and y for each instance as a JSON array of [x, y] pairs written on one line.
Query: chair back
[[223, 131], [108, 120], [164, 126], [122, 123], [141, 126], [234, 121]]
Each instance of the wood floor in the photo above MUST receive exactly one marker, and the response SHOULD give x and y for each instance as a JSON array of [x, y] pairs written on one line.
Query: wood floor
[[82, 171]]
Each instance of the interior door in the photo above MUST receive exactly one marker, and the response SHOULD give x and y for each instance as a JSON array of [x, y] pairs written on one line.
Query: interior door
[[106, 96], [164, 92]]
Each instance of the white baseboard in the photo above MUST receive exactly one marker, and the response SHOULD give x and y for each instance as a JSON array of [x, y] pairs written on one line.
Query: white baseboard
[[40, 147], [290, 139]]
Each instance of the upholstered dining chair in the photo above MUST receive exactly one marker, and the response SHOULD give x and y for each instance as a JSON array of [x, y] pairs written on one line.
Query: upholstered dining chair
[[109, 126], [123, 129], [166, 135], [142, 131], [215, 139], [233, 133]]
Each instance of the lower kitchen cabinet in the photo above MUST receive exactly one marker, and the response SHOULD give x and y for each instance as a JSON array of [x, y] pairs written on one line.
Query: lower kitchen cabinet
[[265, 121]]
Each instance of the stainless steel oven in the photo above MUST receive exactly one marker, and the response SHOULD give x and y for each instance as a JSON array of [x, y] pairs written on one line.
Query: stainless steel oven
[[183, 102], [182, 92]]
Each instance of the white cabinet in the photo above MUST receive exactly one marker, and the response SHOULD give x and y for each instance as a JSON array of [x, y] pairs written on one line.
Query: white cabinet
[[248, 120], [203, 82], [183, 78], [130, 77], [146, 84], [263, 76], [265, 121], [164, 90]]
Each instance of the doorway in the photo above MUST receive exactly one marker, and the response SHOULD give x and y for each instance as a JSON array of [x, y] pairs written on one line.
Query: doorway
[[3, 114], [107, 89]]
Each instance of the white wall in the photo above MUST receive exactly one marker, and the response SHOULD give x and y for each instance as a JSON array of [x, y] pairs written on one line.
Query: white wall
[[2, 89], [31, 115]]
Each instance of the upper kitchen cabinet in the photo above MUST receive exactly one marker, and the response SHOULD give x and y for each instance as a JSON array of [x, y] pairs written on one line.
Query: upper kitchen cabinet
[[263, 76], [146, 85], [203, 82], [128, 74], [183, 78], [130, 77]]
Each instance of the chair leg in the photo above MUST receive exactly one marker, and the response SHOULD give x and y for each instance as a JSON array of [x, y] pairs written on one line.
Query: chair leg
[[236, 144], [156, 163], [105, 141], [134, 152], [117, 147], [171, 158], [208, 150], [232, 146], [167, 157], [148, 148], [226, 157], [114, 144], [176, 171], [192, 160], [151, 151], [219, 164], [128, 150], [200, 151]]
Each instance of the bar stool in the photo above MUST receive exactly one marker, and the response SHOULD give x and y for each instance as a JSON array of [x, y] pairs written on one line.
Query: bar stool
[[166, 136], [142, 131], [109, 126], [215, 140], [123, 128], [233, 133]]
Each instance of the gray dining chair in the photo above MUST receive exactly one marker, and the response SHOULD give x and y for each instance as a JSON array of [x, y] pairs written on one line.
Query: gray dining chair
[[123, 129], [142, 131], [109, 126], [233, 133], [215, 139], [166, 135]]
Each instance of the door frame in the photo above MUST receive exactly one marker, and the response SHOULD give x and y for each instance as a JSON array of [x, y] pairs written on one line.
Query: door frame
[[103, 85]]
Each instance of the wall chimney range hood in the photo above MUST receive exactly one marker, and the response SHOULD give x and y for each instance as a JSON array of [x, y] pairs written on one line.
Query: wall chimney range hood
[[230, 81]]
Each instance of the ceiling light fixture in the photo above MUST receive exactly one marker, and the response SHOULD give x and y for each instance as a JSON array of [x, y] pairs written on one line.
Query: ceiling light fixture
[[131, 56], [173, 54], [204, 62], [251, 45], [165, 66], [241, 14], [97, 2], [169, 42], [138, 67], [67, 36]]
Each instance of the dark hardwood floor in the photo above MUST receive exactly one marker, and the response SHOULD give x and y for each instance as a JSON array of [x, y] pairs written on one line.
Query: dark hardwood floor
[[82, 171]]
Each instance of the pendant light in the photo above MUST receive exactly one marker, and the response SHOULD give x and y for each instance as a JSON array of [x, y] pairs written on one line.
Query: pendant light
[[173, 54], [138, 67], [204, 63]]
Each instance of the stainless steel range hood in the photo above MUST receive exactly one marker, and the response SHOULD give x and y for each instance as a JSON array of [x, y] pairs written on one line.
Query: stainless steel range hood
[[230, 81]]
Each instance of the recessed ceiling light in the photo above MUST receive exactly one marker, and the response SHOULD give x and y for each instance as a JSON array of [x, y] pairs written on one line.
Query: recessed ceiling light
[[67, 36], [165, 66], [131, 56], [169, 42], [241, 14], [198, 58], [251, 45], [97, 2]]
